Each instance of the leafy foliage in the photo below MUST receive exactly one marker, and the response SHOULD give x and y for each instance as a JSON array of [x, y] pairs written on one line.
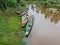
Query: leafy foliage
[[4, 4]]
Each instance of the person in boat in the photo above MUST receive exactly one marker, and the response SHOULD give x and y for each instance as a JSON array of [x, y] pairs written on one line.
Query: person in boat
[[30, 22]]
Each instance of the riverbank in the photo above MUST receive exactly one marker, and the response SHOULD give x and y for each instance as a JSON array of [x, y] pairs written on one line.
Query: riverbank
[[50, 4], [10, 27]]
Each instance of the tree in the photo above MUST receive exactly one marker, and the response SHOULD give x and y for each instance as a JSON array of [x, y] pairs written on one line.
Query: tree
[[7, 3], [3, 4], [18, 3]]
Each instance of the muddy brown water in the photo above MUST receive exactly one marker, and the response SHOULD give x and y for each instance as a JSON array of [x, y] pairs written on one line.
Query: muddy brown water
[[44, 32]]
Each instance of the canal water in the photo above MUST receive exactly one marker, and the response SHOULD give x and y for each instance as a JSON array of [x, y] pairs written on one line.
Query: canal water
[[44, 32]]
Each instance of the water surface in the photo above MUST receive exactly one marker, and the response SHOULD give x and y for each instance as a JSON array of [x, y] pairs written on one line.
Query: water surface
[[44, 31]]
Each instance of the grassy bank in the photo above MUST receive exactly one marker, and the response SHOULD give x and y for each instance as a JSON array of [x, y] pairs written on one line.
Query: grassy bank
[[51, 4], [10, 29]]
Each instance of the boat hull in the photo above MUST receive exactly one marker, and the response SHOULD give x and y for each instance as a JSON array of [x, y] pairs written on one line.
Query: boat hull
[[29, 26]]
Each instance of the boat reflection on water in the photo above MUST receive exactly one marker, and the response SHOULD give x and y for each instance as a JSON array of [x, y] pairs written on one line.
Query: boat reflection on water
[[50, 13]]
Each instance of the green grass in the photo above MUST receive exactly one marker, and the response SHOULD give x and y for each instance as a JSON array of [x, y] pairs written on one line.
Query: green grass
[[21, 8], [10, 30]]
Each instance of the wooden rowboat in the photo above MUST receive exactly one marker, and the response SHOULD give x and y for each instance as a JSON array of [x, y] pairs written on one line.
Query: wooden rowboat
[[24, 22], [22, 13], [29, 25]]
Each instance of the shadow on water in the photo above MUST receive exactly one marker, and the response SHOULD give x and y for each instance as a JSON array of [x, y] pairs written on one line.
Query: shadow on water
[[46, 28], [51, 13]]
